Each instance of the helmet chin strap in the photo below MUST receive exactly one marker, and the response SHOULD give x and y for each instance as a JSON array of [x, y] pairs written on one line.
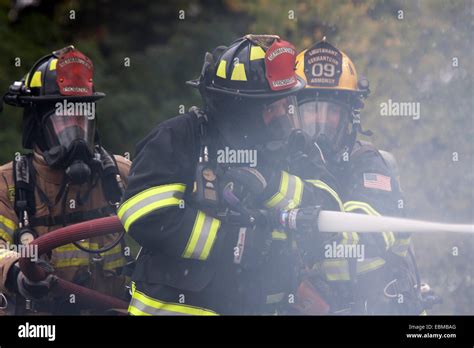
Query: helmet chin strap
[[348, 143]]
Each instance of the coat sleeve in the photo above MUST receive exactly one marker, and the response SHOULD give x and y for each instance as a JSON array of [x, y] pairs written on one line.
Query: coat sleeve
[[8, 224], [288, 191], [157, 211]]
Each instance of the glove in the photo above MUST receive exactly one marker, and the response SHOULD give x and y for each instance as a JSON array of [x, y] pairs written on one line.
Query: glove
[[245, 183], [305, 158], [30, 289]]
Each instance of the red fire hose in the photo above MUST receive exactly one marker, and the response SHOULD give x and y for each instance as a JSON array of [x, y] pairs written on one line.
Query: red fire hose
[[62, 236]]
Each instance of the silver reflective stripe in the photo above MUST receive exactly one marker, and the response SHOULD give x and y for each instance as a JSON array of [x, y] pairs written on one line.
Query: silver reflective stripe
[[204, 233], [339, 269], [114, 260], [275, 298], [135, 303], [369, 265], [6, 228], [286, 200], [142, 304], [350, 238], [70, 254], [113, 257], [290, 193], [149, 200], [336, 269]]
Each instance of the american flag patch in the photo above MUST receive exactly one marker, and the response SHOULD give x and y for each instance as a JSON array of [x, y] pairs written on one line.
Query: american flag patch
[[377, 181]]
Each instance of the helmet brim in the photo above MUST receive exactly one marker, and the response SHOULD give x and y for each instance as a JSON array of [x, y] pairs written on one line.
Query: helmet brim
[[300, 84], [73, 98]]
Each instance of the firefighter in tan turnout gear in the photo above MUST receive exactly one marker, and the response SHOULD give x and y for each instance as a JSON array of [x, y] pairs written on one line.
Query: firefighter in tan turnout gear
[[68, 178]]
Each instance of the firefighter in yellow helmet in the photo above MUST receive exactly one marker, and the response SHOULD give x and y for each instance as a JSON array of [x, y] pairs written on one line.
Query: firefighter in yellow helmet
[[352, 272]]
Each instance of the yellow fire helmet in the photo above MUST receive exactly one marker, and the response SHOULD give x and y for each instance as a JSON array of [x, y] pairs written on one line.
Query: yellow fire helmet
[[329, 105], [323, 66]]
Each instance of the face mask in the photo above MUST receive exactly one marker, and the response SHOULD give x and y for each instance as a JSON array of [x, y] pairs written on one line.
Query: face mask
[[326, 122], [238, 122], [70, 142]]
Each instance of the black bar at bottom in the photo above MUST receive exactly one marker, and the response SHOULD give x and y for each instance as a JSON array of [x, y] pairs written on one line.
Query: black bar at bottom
[[290, 330]]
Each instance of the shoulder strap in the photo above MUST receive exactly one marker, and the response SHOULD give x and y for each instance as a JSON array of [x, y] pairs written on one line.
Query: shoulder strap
[[111, 179], [391, 162], [202, 120], [24, 181], [363, 147]]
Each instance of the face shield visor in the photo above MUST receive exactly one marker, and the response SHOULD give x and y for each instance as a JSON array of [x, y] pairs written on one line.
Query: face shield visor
[[280, 118], [325, 121], [69, 137], [257, 122], [65, 131]]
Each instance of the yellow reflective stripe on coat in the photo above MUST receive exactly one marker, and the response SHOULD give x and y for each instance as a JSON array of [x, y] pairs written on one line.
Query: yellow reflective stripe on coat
[[70, 256], [142, 304], [6, 253], [323, 186], [401, 245], [350, 238], [279, 235], [150, 200], [347, 237], [114, 258], [202, 237], [349, 206], [289, 194], [369, 265], [7, 228], [336, 270]]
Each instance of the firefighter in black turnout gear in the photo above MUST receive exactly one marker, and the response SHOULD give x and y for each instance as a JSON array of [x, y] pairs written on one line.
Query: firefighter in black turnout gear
[[205, 214], [380, 276]]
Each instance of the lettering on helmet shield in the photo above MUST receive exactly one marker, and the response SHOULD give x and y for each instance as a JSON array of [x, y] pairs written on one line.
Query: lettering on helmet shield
[[323, 65], [279, 51], [74, 74], [280, 65]]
